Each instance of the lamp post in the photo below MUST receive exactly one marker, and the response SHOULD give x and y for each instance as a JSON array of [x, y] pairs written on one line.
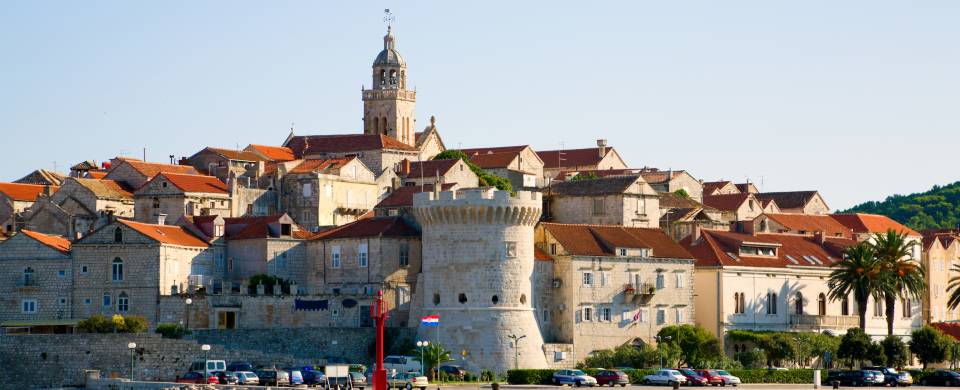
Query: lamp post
[[516, 349], [660, 340], [205, 348], [797, 360], [422, 345], [131, 346], [186, 312]]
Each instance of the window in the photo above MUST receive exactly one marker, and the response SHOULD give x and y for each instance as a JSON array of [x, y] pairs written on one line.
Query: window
[[335, 256], [117, 270], [907, 309], [462, 298], [553, 249], [307, 189], [877, 308], [605, 314], [757, 251], [587, 278], [771, 303], [362, 255], [603, 278], [28, 277], [83, 270], [739, 303], [598, 208], [845, 306], [29, 306], [623, 252], [587, 314], [404, 254], [118, 235], [511, 249], [661, 283], [156, 202], [106, 300], [641, 205], [679, 312], [403, 296], [751, 205], [123, 303], [545, 315], [798, 303], [643, 315], [86, 301], [62, 273], [436, 299], [822, 304], [495, 299], [679, 277], [661, 316]]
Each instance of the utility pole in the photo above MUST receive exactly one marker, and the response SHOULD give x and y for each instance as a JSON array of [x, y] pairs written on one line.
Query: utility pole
[[516, 349]]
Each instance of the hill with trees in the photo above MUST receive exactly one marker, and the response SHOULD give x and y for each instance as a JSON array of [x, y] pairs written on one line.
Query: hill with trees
[[938, 208]]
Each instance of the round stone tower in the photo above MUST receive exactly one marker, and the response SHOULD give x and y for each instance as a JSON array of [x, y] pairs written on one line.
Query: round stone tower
[[477, 271]]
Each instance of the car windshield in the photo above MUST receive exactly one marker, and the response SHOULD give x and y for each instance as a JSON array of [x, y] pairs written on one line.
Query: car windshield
[[577, 372], [722, 372]]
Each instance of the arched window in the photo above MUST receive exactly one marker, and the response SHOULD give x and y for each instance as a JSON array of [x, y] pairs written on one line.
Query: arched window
[[123, 302], [822, 304], [495, 299], [763, 225], [845, 306], [118, 234], [462, 298], [383, 76], [907, 307], [523, 299], [28, 277], [393, 77], [117, 270], [771, 303], [743, 303], [436, 298], [798, 303], [403, 79]]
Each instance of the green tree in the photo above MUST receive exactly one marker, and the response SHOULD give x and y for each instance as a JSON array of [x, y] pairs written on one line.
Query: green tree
[[858, 273], [953, 287], [486, 179], [588, 176], [929, 345], [877, 354], [822, 343], [854, 346], [697, 346], [433, 356], [901, 276], [682, 193], [938, 208], [895, 351], [777, 347]]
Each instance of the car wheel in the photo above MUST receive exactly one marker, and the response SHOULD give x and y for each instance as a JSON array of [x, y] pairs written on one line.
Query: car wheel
[[645, 382], [670, 383], [409, 386], [623, 385], [555, 382], [577, 383]]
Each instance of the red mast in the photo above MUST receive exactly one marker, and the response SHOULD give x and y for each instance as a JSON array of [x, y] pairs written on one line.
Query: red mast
[[379, 313]]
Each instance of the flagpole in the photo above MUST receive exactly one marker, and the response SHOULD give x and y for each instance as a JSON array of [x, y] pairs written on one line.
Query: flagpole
[[437, 343]]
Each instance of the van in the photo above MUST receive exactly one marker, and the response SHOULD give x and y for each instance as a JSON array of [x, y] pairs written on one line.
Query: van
[[401, 364], [208, 367]]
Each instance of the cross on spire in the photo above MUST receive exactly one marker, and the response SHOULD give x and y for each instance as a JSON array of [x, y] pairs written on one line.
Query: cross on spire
[[388, 17]]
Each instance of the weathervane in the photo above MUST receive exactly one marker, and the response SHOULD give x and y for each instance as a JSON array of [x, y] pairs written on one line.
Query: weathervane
[[388, 17]]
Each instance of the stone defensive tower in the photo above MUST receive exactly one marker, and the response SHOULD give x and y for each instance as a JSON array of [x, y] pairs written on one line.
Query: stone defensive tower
[[477, 270]]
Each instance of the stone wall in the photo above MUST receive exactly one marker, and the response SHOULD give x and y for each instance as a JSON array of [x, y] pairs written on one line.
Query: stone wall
[[303, 344], [47, 286]]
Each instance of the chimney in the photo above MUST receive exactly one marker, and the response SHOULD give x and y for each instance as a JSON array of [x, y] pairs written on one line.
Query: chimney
[[161, 219], [820, 237], [602, 147]]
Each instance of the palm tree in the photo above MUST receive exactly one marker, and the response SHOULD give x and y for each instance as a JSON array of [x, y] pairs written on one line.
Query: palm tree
[[859, 273], [902, 275], [954, 288]]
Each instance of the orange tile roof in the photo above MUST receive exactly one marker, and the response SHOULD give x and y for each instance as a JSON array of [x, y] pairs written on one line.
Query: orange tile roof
[[541, 255], [275, 153], [719, 249], [951, 329], [495, 149], [344, 143], [325, 165], [149, 169], [196, 183], [56, 242], [24, 192], [233, 154], [570, 157], [403, 196], [726, 202], [872, 223], [370, 227], [166, 234], [494, 160], [602, 240], [711, 186], [811, 223], [431, 168], [96, 174], [789, 199], [105, 189]]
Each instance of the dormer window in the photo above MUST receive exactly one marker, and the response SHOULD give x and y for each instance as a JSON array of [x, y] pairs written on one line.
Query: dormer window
[[285, 229], [747, 250], [623, 251]]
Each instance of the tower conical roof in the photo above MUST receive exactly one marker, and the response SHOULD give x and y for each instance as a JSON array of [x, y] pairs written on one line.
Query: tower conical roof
[[389, 55]]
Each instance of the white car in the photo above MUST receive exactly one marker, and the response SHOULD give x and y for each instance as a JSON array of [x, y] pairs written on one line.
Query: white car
[[665, 377], [247, 378], [573, 378], [728, 378]]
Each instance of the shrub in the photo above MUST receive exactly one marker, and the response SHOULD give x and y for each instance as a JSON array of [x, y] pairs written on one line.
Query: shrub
[[116, 324], [171, 331], [133, 324], [529, 377], [486, 179], [96, 324], [774, 376]]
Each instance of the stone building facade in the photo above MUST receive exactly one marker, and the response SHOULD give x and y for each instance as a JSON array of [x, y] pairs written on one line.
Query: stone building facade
[[388, 106], [79, 206], [796, 202], [170, 196], [614, 200], [36, 278], [15, 199], [520, 164], [328, 192], [590, 159], [133, 173], [235, 167], [941, 253], [671, 181]]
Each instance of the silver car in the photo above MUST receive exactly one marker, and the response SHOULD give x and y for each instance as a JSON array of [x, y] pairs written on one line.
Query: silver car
[[573, 378]]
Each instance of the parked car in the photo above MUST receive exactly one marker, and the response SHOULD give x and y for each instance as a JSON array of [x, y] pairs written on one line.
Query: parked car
[[247, 378], [226, 377], [296, 376], [876, 378], [612, 378], [208, 367], [313, 377], [664, 377], [273, 377], [454, 372], [239, 366], [198, 378], [400, 363], [408, 381], [693, 378], [719, 377], [358, 380], [573, 378], [941, 378], [892, 377], [851, 377]]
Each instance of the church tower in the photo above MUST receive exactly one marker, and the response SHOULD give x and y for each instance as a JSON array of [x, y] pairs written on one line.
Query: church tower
[[388, 106]]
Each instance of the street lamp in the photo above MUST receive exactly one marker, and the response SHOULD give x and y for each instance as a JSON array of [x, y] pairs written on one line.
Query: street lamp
[[131, 346], [798, 340], [516, 350], [186, 312], [659, 340], [205, 348], [422, 345]]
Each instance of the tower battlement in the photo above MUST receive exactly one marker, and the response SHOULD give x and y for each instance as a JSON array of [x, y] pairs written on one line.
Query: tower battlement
[[478, 206]]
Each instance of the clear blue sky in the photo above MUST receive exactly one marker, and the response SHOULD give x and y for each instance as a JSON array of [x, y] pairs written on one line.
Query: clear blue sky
[[858, 99]]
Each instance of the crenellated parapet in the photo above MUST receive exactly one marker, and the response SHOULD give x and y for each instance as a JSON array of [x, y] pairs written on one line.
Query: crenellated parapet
[[478, 206]]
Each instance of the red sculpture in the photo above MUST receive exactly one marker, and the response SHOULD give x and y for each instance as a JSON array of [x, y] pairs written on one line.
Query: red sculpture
[[379, 313]]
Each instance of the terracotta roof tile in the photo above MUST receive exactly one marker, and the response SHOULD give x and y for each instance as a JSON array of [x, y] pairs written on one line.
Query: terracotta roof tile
[[669, 200], [788, 200], [711, 186], [717, 248], [24, 192], [540, 255], [602, 240], [150, 170], [872, 223], [599, 186], [656, 176], [370, 227], [254, 227], [233, 154], [430, 168], [42, 177], [726, 202], [196, 183], [166, 234], [494, 160], [56, 242], [96, 174], [273, 153], [570, 157], [105, 189], [344, 143], [949, 328], [811, 223], [495, 149], [323, 165], [403, 196]]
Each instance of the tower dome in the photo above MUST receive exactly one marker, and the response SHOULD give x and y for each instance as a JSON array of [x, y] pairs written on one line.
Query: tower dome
[[389, 55]]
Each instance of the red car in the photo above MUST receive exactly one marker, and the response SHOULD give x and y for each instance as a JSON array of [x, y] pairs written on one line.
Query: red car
[[612, 378], [693, 378], [198, 378], [712, 377]]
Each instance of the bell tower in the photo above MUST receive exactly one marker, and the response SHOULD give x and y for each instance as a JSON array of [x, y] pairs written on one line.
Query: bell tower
[[388, 106]]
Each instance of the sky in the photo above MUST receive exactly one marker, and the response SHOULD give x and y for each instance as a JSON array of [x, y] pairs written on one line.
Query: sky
[[856, 99]]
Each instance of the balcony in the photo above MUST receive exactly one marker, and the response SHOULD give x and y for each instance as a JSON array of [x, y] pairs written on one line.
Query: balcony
[[817, 322], [639, 293]]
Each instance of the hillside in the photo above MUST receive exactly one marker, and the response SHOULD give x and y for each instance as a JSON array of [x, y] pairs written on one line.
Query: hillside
[[938, 208]]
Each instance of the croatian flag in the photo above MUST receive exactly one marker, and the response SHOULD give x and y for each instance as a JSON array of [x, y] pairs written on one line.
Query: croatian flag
[[433, 320]]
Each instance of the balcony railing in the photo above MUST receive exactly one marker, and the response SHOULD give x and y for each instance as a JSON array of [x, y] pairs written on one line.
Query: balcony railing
[[818, 321]]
